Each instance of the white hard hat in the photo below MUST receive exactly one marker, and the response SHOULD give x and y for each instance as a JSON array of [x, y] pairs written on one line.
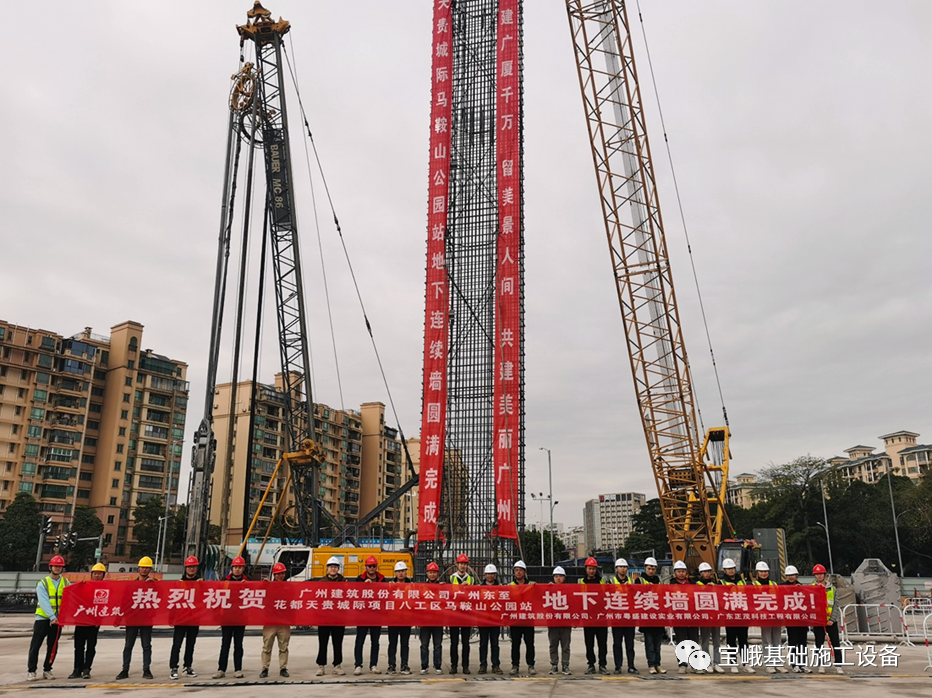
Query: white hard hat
[[401, 565], [791, 570], [679, 565], [491, 569], [762, 567], [333, 561], [559, 570], [621, 562], [705, 567], [520, 563], [729, 564], [650, 561]]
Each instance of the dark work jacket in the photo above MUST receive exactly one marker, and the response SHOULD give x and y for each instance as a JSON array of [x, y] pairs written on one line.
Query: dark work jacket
[[379, 577]]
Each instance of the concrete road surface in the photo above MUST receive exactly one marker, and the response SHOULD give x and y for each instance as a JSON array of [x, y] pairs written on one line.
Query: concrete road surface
[[907, 680]]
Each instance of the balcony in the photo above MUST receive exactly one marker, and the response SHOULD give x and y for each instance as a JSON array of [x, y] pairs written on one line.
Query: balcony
[[64, 422], [66, 403], [167, 384]]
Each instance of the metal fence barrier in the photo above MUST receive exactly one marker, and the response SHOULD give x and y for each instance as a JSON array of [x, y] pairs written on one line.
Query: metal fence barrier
[[874, 621]]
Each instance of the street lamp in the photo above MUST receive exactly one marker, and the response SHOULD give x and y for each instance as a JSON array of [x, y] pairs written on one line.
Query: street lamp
[[552, 503], [541, 498], [828, 540], [896, 529]]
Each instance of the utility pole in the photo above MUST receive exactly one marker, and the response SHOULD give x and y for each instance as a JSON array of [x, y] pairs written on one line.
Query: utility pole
[[828, 538], [550, 480], [896, 528]]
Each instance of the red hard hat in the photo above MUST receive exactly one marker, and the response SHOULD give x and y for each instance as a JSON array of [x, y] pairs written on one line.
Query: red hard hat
[[278, 568], [591, 562], [371, 560], [191, 562], [58, 560], [433, 567], [238, 562], [818, 569], [462, 558]]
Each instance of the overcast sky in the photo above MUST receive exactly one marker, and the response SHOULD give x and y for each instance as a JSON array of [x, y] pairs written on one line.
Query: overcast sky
[[800, 135]]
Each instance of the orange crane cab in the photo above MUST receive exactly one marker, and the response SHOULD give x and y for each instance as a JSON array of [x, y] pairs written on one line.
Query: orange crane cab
[[305, 563]]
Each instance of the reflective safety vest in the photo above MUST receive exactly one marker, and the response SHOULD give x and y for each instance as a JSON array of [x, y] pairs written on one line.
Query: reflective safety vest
[[583, 580], [454, 579], [55, 594], [615, 580], [737, 580], [829, 599], [711, 582], [759, 583]]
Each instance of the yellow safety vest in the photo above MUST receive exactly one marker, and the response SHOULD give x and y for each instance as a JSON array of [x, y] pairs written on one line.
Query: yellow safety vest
[[711, 582], [583, 581], [615, 580], [55, 594], [456, 580], [829, 599]]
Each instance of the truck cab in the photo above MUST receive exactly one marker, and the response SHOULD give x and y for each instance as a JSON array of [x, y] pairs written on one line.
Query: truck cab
[[305, 563]]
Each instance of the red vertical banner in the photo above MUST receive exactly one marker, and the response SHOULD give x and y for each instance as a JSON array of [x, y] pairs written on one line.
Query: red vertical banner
[[436, 312], [507, 393]]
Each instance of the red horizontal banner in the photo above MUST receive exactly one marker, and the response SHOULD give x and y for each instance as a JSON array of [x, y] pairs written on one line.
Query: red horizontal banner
[[350, 604]]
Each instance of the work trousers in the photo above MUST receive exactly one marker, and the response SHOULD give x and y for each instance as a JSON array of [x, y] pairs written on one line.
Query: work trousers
[[85, 647], [427, 635], [489, 637], [43, 631], [738, 638], [770, 637], [396, 633], [681, 634], [833, 639], [457, 635], [715, 636], [183, 635], [625, 635], [269, 634], [334, 634], [519, 633], [559, 644], [591, 635], [653, 640], [231, 634], [374, 632], [796, 638], [144, 633]]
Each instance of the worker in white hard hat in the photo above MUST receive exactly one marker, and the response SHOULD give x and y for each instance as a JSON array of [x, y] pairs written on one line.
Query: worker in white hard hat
[[653, 636], [331, 633], [796, 636], [709, 635], [735, 636], [559, 636], [488, 636], [522, 633], [683, 633], [397, 633], [622, 635], [770, 636]]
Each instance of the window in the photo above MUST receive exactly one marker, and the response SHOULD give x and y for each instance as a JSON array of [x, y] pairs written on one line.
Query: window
[[93, 425], [152, 449], [177, 433], [87, 459], [125, 397], [159, 400], [131, 364], [37, 413], [124, 414], [30, 450], [117, 465], [95, 408], [113, 504], [45, 361], [100, 375], [84, 494], [89, 442], [128, 381], [122, 431], [56, 491], [151, 482], [119, 448], [87, 477], [110, 519], [104, 358], [29, 468], [25, 487], [34, 432], [114, 483], [151, 465], [61, 454]]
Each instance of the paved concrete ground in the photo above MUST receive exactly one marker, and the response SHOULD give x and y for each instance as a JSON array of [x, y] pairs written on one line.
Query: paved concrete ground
[[908, 680]]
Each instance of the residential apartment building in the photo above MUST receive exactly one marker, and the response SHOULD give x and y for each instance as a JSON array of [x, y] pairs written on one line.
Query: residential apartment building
[[609, 519], [383, 467], [575, 541], [409, 503], [89, 420], [743, 491], [901, 453]]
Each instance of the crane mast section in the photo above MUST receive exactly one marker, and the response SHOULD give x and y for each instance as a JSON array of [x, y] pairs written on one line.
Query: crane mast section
[[640, 261]]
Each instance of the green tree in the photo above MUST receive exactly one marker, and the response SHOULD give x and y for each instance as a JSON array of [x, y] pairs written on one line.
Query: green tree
[[86, 524], [530, 546], [177, 532], [146, 526], [19, 533], [649, 532]]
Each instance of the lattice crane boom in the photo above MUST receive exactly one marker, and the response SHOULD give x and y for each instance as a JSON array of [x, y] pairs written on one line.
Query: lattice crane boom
[[691, 492]]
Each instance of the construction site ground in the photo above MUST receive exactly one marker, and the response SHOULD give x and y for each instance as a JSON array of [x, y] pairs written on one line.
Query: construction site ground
[[910, 678]]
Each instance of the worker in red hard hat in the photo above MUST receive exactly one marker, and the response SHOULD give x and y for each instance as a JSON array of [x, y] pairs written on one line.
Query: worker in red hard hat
[[85, 636], [232, 634], [373, 576], [185, 634], [591, 634], [271, 633], [331, 634], [832, 617], [460, 634], [653, 635], [142, 632], [45, 627], [432, 634]]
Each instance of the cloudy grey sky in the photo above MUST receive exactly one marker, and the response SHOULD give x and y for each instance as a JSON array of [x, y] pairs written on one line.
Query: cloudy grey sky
[[800, 134]]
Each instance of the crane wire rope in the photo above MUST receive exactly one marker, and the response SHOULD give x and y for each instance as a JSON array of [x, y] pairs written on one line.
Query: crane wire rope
[[679, 202], [336, 221]]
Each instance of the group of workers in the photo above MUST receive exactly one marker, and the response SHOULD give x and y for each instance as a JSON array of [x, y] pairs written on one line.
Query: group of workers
[[49, 593]]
